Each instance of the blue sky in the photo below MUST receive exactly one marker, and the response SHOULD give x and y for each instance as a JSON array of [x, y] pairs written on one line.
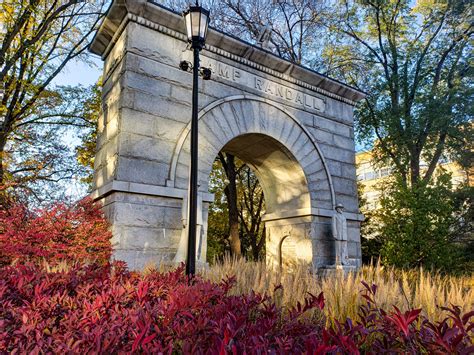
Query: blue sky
[[78, 72]]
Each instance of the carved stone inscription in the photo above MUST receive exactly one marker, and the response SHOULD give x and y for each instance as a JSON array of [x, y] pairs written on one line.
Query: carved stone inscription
[[264, 85]]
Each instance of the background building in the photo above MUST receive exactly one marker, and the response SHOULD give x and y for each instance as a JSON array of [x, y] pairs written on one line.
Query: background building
[[371, 177]]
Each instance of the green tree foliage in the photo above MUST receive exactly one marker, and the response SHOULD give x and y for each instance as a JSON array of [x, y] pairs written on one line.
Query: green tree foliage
[[228, 163], [416, 225], [37, 39], [39, 154], [463, 228], [250, 209], [90, 111], [370, 244], [218, 218], [413, 60]]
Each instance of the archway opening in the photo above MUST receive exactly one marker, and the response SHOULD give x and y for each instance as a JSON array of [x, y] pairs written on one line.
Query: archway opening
[[235, 218], [258, 176]]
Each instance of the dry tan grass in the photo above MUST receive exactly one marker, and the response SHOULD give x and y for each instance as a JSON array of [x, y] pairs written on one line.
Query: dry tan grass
[[404, 289]]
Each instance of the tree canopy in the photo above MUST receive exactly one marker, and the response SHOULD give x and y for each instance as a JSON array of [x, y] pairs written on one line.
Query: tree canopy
[[413, 60], [38, 38]]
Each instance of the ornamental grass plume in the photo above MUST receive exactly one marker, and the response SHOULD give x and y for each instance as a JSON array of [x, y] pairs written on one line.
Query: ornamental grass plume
[[404, 289]]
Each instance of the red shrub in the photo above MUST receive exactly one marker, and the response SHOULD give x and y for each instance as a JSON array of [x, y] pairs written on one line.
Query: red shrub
[[106, 309], [77, 232]]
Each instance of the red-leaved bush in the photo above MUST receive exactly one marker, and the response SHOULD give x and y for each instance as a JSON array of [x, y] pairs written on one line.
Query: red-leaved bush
[[62, 232], [107, 309]]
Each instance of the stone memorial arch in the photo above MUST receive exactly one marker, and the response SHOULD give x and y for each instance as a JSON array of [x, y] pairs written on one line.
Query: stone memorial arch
[[291, 125]]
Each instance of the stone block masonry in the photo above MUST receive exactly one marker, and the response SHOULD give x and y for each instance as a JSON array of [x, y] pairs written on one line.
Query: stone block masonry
[[293, 126]]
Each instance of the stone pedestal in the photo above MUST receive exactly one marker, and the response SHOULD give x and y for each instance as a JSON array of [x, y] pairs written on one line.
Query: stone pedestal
[[334, 270]]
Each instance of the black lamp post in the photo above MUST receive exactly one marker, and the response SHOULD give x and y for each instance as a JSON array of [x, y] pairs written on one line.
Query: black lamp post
[[197, 20]]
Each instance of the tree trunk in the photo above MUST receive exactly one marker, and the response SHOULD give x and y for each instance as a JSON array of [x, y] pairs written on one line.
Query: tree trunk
[[3, 196], [260, 244], [228, 161], [255, 250], [414, 166]]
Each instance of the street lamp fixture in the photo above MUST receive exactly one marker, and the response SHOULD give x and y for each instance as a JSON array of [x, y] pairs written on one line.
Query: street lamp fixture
[[197, 20]]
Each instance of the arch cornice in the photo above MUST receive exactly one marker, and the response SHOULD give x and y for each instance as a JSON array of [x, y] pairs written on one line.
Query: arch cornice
[[184, 134]]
